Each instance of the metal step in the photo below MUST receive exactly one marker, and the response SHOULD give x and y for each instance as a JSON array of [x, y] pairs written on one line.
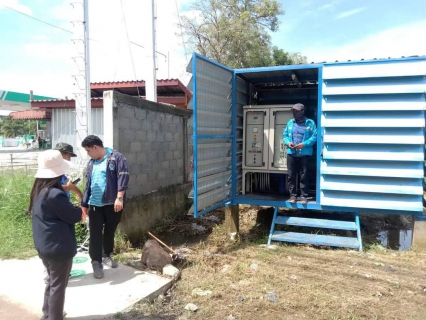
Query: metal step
[[316, 223], [315, 239]]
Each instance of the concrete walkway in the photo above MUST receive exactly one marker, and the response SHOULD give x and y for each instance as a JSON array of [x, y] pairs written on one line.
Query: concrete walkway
[[22, 288]]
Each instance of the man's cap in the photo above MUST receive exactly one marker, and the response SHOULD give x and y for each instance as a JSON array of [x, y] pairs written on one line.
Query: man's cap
[[65, 147], [299, 106]]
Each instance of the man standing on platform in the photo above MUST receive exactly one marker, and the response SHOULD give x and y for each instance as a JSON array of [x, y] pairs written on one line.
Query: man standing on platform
[[299, 136]]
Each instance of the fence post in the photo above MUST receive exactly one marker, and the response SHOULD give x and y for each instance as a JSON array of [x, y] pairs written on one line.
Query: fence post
[[11, 161]]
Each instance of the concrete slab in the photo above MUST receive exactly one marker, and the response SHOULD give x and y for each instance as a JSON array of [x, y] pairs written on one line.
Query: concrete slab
[[22, 287]]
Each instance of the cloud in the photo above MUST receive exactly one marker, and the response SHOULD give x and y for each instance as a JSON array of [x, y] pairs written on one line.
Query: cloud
[[346, 14], [15, 5], [396, 42], [109, 52]]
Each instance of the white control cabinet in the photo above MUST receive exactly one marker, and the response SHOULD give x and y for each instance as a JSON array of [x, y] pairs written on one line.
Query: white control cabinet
[[263, 147]]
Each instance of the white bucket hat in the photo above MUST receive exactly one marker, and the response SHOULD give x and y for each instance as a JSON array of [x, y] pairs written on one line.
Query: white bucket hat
[[51, 165]]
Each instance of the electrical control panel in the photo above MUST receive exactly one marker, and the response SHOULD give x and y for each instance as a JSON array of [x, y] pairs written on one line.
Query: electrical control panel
[[279, 118], [263, 146], [255, 138]]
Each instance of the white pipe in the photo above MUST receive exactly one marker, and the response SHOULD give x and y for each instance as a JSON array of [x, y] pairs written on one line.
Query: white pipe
[[87, 68]]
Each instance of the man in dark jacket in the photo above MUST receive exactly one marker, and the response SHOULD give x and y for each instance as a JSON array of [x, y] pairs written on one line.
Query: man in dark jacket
[[107, 179]]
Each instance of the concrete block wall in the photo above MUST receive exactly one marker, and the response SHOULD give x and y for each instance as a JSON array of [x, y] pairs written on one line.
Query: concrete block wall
[[152, 136]]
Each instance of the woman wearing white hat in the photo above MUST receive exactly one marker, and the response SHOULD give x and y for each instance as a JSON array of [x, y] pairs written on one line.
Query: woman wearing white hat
[[53, 219]]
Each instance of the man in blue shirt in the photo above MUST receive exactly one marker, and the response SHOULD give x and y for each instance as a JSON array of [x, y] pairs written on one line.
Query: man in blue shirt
[[299, 136], [107, 179]]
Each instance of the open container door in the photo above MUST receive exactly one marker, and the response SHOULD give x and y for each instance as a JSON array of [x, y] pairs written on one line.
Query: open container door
[[373, 121], [213, 134]]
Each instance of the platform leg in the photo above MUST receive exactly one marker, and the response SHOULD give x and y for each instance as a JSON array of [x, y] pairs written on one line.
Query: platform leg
[[419, 232], [271, 232], [358, 231], [232, 220]]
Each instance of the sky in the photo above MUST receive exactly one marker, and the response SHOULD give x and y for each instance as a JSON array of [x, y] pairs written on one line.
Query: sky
[[35, 56]]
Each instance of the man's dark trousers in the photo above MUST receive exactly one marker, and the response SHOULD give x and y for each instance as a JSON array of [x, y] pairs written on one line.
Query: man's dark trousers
[[103, 222], [54, 293], [297, 165]]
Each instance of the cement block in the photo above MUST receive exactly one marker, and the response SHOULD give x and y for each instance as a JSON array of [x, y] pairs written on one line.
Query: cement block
[[179, 163], [155, 126], [152, 176], [177, 137], [142, 178], [169, 155], [135, 124], [128, 112], [135, 146], [161, 155], [161, 118], [177, 154], [154, 185], [419, 233], [151, 136], [165, 165], [173, 146], [164, 183], [164, 126], [151, 116], [140, 135], [126, 134], [173, 164], [140, 114], [169, 137], [162, 175], [177, 119], [141, 158], [179, 179], [152, 156], [169, 118], [146, 146], [160, 136], [172, 128], [145, 125], [131, 158], [124, 122]]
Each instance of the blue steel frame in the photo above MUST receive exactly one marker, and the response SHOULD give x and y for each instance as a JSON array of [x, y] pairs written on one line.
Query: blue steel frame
[[195, 137], [233, 200], [319, 135]]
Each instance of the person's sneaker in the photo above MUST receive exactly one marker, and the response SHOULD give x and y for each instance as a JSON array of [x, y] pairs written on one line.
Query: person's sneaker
[[47, 317], [109, 262], [303, 200], [98, 270], [292, 199]]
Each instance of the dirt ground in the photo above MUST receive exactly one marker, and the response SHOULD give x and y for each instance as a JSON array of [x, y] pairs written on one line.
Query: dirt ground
[[247, 280]]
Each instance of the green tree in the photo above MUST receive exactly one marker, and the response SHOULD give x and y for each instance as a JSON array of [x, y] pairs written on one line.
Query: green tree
[[30, 127], [233, 32], [281, 57], [12, 128]]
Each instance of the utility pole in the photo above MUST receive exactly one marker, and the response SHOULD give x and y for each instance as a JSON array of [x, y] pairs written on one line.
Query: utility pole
[[151, 80], [82, 93], [87, 67]]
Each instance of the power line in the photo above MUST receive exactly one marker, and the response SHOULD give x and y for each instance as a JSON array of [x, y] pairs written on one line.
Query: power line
[[47, 23], [130, 47], [34, 18], [181, 32]]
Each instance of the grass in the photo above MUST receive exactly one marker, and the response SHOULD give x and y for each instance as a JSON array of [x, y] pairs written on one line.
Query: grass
[[15, 226], [309, 282]]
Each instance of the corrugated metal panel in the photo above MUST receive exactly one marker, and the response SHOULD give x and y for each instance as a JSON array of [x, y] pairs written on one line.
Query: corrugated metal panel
[[63, 125], [212, 105], [373, 143]]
